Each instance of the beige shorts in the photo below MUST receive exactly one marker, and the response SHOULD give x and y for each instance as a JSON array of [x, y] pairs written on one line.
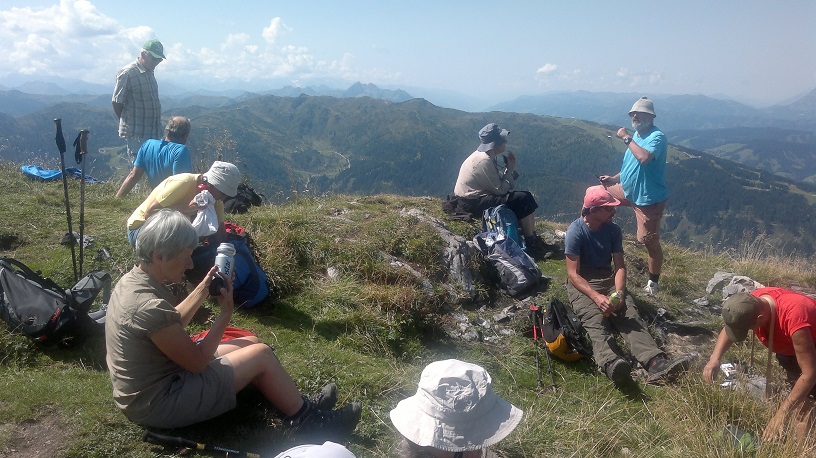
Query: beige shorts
[[648, 216]]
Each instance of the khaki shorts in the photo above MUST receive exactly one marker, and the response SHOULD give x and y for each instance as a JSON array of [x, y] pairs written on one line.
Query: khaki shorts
[[648, 216], [192, 398]]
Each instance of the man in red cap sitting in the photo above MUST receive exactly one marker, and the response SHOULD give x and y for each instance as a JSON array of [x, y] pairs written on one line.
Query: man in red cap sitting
[[593, 248], [785, 322]]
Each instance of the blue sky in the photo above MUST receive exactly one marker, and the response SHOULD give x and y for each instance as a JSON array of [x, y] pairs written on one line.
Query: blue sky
[[757, 52]]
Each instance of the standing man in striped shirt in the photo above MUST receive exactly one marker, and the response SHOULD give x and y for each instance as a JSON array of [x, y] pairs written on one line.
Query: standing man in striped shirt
[[136, 98]]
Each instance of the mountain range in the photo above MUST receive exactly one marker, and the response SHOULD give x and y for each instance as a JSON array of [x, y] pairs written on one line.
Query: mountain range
[[309, 145]]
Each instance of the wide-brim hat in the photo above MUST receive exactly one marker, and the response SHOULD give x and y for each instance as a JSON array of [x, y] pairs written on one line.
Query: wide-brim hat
[[740, 314], [225, 177], [327, 450], [492, 136], [455, 409]]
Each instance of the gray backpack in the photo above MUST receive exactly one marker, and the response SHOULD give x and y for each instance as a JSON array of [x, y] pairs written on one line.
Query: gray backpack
[[38, 308]]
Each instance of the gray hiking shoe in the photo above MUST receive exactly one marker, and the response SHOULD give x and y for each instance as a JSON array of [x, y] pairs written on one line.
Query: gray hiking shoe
[[326, 398], [334, 425], [661, 369], [620, 372]]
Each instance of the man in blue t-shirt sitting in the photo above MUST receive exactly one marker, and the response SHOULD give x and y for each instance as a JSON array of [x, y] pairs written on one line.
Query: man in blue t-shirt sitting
[[641, 182], [593, 249], [160, 159]]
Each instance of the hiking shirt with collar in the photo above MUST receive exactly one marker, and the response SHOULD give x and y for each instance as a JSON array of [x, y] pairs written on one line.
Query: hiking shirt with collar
[[175, 192], [794, 311], [162, 158], [136, 89], [645, 184], [480, 175]]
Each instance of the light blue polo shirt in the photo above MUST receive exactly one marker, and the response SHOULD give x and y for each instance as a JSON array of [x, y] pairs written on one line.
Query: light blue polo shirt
[[162, 158], [645, 184]]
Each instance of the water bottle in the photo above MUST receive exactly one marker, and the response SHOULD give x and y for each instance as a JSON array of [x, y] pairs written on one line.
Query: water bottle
[[225, 261], [511, 231]]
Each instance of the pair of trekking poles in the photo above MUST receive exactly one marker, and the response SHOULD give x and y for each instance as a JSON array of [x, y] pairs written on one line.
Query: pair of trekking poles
[[81, 145]]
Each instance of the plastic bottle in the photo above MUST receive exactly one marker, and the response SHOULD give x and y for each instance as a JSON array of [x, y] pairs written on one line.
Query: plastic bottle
[[225, 261], [615, 298]]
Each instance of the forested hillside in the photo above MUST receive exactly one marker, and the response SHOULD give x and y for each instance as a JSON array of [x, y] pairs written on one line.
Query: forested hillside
[[313, 145]]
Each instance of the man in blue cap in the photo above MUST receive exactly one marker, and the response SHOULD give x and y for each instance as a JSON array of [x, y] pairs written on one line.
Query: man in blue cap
[[136, 98], [483, 183]]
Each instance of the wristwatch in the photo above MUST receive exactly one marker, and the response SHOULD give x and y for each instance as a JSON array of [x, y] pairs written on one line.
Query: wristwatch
[[627, 140]]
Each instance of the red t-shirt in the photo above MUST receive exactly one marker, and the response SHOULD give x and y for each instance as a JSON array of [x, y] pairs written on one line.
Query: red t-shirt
[[794, 311]]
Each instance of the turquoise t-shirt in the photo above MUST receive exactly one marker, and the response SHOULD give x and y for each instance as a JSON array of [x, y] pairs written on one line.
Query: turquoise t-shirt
[[645, 184], [161, 159]]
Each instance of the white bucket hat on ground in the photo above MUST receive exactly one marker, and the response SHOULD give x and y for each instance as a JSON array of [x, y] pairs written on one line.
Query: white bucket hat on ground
[[327, 450], [455, 409], [225, 177]]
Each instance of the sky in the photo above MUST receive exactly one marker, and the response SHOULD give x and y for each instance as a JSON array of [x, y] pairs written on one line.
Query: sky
[[752, 51]]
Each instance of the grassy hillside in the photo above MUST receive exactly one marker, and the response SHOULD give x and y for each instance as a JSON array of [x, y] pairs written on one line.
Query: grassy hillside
[[313, 146], [371, 329]]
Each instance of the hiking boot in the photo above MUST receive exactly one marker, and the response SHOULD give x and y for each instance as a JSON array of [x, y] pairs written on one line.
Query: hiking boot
[[326, 398], [662, 369], [620, 372], [334, 425], [537, 248], [651, 288]]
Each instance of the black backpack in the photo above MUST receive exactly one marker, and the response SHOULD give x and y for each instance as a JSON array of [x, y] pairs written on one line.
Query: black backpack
[[246, 197], [562, 332], [40, 309]]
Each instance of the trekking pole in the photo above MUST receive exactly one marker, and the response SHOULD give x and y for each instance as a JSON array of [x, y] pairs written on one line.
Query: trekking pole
[[538, 333], [180, 442], [81, 144], [61, 146]]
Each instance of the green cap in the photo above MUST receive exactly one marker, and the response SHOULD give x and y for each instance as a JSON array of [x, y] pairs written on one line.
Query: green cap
[[740, 313], [155, 48]]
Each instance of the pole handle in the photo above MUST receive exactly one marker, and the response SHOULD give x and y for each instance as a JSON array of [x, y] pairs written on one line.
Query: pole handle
[[60, 138], [83, 141]]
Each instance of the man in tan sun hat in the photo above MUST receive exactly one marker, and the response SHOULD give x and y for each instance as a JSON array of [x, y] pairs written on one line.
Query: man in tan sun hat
[[178, 192], [136, 98], [641, 182], [792, 317], [454, 413]]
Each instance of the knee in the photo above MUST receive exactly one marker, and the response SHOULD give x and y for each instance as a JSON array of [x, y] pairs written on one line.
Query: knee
[[651, 240]]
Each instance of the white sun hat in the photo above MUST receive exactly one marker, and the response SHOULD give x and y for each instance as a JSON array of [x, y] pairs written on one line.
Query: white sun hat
[[455, 409], [327, 450]]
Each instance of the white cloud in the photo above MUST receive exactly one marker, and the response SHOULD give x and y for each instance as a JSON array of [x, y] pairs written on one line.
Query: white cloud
[[547, 69], [74, 40]]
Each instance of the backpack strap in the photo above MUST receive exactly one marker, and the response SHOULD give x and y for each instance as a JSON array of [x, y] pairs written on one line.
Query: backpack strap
[[768, 373], [32, 275]]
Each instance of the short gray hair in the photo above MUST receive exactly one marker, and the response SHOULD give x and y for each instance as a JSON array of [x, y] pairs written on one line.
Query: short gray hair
[[167, 232], [177, 129]]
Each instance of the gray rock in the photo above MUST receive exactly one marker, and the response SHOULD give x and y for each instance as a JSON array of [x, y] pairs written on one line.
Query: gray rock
[[719, 280]]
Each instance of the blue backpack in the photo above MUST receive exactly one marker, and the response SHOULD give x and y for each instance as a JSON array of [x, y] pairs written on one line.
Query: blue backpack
[[251, 285], [501, 222]]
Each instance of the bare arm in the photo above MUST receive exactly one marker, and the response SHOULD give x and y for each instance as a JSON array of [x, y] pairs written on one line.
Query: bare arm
[[620, 279], [130, 181], [713, 365], [641, 154], [806, 357], [174, 341], [580, 283]]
